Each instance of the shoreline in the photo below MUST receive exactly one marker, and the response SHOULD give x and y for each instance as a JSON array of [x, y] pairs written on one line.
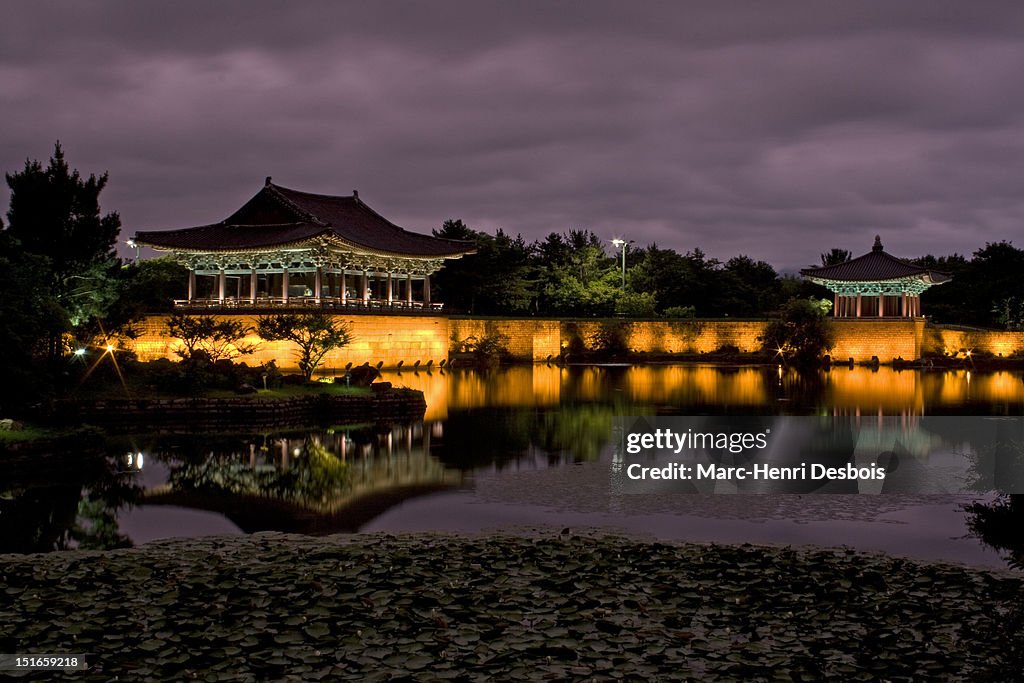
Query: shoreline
[[570, 606], [241, 412]]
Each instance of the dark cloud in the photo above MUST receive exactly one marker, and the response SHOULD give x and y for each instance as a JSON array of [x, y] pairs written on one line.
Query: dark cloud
[[778, 129]]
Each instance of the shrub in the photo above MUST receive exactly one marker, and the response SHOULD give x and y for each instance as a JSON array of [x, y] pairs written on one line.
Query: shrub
[[315, 334], [216, 339], [803, 332], [611, 338]]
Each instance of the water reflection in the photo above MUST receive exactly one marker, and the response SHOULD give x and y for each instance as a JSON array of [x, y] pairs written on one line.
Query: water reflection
[[716, 389], [64, 500], [313, 482], [1000, 524], [480, 428]]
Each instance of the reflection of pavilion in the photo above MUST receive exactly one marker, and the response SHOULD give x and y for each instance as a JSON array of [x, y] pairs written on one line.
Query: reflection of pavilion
[[317, 484], [876, 285], [285, 247]]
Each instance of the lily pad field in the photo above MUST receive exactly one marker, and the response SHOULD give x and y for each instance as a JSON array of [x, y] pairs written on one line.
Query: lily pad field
[[545, 606]]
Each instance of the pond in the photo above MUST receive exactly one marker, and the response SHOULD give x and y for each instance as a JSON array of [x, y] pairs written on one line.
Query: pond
[[519, 447]]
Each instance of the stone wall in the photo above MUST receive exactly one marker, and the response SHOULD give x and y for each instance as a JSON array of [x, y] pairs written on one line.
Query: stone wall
[[384, 339], [950, 341], [390, 339], [525, 339], [668, 336], [887, 339]]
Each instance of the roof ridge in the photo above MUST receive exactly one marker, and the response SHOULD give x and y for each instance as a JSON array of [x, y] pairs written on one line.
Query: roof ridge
[[275, 193]]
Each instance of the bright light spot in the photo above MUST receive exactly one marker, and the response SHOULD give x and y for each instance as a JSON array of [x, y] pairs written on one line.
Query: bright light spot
[[79, 352], [618, 241], [130, 243], [297, 452], [110, 348], [138, 460]]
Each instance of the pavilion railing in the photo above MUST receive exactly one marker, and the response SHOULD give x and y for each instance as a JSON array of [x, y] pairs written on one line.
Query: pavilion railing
[[308, 302]]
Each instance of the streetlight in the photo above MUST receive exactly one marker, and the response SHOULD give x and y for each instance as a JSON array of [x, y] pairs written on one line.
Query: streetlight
[[624, 245], [134, 245]]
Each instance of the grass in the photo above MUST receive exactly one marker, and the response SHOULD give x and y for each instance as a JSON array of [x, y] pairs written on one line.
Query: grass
[[28, 433]]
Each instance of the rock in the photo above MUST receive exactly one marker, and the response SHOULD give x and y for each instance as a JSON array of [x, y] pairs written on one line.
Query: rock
[[9, 425], [363, 376], [246, 389]]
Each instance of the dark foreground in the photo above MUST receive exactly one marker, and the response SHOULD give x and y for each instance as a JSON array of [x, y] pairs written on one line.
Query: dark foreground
[[552, 607]]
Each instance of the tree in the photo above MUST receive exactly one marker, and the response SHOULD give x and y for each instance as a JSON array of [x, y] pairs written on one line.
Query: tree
[[803, 331], [55, 213], [496, 279], [29, 318], [835, 256], [576, 276], [749, 287], [316, 334], [216, 339]]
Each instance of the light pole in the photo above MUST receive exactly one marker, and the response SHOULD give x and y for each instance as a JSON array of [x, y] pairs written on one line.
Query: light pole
[[134, 245], [624, 245]]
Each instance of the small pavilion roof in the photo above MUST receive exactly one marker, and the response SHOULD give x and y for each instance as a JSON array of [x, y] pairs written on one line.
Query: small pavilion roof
[[278, 216], [874, 266]]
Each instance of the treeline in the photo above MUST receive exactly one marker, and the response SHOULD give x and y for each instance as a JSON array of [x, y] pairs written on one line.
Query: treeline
[[578, 274]]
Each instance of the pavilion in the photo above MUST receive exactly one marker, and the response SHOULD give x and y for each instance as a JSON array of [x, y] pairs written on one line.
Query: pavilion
[[291, 248], [876, 285]]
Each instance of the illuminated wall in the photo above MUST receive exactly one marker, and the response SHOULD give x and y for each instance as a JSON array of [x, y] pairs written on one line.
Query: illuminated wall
[[390, 339], [950, 342], [524, 339], [887, 339], [671, 336], [376, 338]]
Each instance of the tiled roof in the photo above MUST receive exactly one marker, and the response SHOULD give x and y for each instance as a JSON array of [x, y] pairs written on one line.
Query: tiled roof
[[277, 215], [874, 266], [226, 236]]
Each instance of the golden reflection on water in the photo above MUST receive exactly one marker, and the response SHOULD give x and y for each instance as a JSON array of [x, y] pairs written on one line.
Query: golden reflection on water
[[841, 390]]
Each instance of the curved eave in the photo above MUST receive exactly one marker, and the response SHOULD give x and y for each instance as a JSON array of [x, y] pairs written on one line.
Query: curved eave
[[930, 278], [324, 238]]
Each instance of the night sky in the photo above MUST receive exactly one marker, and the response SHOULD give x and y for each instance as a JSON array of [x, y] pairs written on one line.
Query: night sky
[[778, 130]]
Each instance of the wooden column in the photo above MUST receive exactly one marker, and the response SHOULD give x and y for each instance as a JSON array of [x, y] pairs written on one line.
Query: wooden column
[[408, 288], [317, 284], [390, 293], [191, 284], [835, 305], [284, 285], [252, 285], [365, 294], [222, 280], [881, 305], [858, 304], [426, 289], [344, 287]]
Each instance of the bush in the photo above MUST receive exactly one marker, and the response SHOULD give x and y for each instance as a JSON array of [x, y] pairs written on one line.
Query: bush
[[205, 334], [635, 305], [489, 349], [680, 312], [802, 333], [611, 338]]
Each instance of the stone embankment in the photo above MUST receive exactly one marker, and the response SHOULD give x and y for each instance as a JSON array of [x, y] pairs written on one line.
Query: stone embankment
[[199, 413]]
